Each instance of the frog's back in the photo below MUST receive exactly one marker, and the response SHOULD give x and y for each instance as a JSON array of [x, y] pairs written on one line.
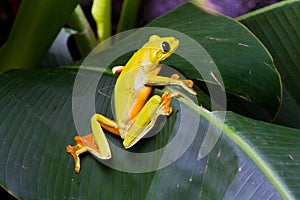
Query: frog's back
[[128, 87], [130, 92]]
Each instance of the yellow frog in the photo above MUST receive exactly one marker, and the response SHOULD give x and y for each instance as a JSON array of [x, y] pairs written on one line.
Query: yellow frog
[[136, 112]]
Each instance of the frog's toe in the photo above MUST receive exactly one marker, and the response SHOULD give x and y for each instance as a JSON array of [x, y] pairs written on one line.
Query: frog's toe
[[75, 151], [189, 83]]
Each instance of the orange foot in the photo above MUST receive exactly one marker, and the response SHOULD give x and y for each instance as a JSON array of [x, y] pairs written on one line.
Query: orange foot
[[82, 145], [166, 100]]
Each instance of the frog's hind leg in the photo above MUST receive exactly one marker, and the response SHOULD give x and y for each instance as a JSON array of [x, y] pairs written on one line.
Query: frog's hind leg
[[147, 117], [96, 142]]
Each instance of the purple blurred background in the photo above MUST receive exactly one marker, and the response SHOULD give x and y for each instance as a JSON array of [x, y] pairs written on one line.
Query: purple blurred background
[[150, 9]]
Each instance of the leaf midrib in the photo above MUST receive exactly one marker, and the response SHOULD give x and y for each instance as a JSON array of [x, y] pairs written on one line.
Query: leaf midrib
[[244, 145]]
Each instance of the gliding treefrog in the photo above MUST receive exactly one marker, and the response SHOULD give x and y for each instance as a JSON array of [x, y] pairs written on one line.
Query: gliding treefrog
[[136, 112]]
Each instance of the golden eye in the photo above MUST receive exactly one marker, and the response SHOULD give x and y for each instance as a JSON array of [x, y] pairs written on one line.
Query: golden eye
[[165, 46]]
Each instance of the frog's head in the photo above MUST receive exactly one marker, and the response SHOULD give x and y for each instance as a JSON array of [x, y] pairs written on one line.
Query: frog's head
[[161, 47]]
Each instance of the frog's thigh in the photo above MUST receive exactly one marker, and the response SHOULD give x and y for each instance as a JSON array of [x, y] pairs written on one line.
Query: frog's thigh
[[96, 142], [146, 118], [101, 147], [106, 123]]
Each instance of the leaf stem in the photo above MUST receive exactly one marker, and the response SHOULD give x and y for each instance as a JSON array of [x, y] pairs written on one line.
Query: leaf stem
[[35, 28], [129, 15], [101, 12], [85, 37], [216, 118]]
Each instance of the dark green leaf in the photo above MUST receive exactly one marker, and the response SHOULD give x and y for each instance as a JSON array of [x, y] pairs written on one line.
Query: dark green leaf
[[58, 53], [278, 27], [240, 58], [36, 125]]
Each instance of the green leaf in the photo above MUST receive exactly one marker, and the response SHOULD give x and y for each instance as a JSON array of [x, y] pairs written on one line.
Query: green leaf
[[251, 158], [239, 57], [58, 53], [278, 27], [289, 114], [35, 28]]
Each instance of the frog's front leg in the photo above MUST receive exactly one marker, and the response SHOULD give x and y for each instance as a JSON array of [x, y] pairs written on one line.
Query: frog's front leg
[[96, 142], [117, 70], [147, 117], [154, 80]]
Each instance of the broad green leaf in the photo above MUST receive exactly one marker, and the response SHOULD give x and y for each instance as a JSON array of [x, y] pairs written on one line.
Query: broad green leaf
[[251, 158], [278, 27], [35, 28], [240, 58]]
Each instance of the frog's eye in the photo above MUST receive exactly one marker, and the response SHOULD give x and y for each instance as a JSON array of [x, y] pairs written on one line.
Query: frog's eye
[[165, 46]]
